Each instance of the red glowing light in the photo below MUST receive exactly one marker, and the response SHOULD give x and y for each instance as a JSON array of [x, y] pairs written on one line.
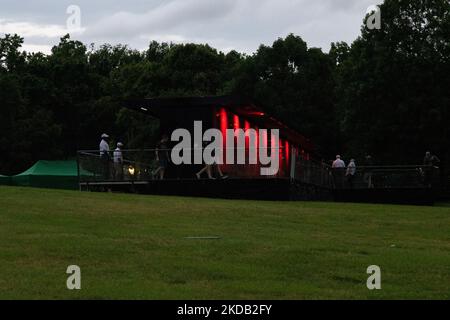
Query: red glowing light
[[257, 114], [223, 129], [264, 139], [287, 151], [236, 122]]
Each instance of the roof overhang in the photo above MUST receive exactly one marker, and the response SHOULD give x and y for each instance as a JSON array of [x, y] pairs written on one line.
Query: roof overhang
[[240, 106]]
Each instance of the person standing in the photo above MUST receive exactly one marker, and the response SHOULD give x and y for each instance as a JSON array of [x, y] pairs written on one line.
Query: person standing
[[162, 156], [104, 156], [368, 171], [118, 162], [338, 163], [351, 173], [338, 172]]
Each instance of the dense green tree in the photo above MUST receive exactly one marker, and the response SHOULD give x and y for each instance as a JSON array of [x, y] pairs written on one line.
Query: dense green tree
[[295, 84], [393, 88]]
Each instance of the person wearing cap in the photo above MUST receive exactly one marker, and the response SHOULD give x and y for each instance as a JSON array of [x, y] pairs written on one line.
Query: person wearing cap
[[118, 162], [104, 146], [104, 156]]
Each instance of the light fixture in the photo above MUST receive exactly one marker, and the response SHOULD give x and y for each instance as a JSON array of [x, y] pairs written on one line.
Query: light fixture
[[131, 170], [144, 109]]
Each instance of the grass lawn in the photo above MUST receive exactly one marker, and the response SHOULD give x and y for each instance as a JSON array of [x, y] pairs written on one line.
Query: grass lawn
[[135, 247]]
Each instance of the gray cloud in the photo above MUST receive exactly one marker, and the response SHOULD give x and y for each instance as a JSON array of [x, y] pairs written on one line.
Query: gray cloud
[[226, 24]]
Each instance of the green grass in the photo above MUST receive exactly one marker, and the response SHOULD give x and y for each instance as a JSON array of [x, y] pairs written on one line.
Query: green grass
[[134, 247]]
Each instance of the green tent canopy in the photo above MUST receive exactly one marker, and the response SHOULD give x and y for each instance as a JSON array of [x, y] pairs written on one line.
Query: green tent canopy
[[4, 180], [49, 174]]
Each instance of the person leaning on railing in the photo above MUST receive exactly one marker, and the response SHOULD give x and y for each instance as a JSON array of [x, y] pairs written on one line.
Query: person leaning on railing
[[430, 162]]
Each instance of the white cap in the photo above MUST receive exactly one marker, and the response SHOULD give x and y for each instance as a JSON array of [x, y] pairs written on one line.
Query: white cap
[[105, 136], [120, 144]]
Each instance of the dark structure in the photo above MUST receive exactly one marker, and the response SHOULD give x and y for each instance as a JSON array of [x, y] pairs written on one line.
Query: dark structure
[[225, 113], [300, 177]]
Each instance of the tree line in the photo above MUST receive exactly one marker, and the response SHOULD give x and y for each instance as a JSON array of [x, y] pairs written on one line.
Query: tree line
[[387, 94]]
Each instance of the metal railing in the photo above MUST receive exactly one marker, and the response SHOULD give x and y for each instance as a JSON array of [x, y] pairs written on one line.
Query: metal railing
[[381, 177], [146, 165], [386, 177], [313, 173], [132, 165]]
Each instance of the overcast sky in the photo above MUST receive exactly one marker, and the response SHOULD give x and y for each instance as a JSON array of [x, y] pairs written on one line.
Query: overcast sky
[[224, 24]]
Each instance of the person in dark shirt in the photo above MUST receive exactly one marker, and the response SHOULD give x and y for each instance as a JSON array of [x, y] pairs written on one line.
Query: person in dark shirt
[[162, 156], [368, 171], [430, 162]]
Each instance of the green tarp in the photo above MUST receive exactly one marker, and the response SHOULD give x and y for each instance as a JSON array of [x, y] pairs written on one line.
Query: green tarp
[[49, 174], [5, 181]]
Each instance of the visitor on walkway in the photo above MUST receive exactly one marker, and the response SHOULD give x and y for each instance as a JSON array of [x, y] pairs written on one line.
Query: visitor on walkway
[[105, 156], [162, 156], [351, 173], [118, 162], [339, 172]]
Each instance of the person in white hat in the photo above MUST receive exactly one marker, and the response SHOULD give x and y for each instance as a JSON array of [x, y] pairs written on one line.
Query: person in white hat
[[118, 162], [104, 156], [104, 146]]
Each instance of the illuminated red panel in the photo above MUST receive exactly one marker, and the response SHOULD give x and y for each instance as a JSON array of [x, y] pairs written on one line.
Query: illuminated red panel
[[264, 140], [272, 146], [246, 125], [247, 137], [280, 144], [280, 152], [236, 122], [287, 151], [223, 129], [256, 146]]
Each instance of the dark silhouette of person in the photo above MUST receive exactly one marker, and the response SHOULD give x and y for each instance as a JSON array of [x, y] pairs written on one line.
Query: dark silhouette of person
[[430, 162]]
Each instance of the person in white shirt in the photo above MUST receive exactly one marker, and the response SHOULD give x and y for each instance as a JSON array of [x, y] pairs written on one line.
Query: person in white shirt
[[118, 162], [338, 163], [338, 172], [104, 156], [351, 172], [104, 146]]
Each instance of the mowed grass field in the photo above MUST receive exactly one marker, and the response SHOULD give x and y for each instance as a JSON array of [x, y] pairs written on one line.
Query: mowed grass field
[[136, 247]]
